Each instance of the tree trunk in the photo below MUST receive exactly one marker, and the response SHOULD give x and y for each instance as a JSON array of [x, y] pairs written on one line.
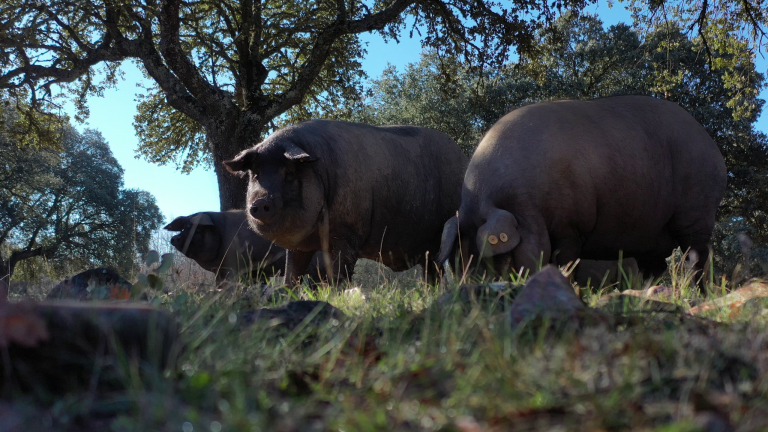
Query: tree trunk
[[226, 139], [8, 266], [5, 278], [232, 188]]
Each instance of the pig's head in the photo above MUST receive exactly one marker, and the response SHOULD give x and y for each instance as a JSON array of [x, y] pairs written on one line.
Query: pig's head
[[198, 238], [491, 243], [285, 196]]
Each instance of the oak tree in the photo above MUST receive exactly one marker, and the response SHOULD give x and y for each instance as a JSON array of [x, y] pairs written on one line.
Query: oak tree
[[226, 71], [68, 204], [582, 60]]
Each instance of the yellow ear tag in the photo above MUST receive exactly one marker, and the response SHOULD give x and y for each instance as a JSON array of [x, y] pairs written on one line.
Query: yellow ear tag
[[492, 239], [503, 237]]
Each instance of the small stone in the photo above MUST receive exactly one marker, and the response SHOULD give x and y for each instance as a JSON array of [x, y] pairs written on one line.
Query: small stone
[[292, 314], [548, 294]]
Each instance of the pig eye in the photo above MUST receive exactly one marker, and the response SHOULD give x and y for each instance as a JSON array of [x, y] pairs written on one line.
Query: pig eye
[[290, 176]]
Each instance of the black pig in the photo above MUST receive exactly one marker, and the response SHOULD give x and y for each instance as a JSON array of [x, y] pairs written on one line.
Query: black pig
[[224, 243], [352, 190], [557, 181]]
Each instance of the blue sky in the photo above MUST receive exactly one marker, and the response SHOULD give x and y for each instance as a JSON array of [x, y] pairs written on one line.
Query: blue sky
[[180, 194]]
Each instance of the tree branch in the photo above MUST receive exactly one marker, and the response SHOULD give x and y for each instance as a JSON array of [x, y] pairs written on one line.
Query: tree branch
[[311, 68], [144, 49], [214, 100]]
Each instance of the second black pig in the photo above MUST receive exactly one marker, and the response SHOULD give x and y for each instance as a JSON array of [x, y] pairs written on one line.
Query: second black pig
[[223, 243]]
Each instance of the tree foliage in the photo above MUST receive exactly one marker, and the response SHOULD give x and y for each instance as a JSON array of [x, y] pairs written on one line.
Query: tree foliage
[[582, 60], [225, 72], [69, 204]]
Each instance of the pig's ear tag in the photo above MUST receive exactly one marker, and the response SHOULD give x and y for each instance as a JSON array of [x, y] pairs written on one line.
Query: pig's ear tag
[[498, 235], [297, 154]]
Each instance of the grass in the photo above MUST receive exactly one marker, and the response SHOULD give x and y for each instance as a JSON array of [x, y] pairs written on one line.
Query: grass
[[404, 361]]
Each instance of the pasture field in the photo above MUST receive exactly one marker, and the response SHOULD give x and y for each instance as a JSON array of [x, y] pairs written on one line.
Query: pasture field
[[413, 357]]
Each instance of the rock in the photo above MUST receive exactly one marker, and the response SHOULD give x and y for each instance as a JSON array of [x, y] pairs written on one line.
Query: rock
[[549, 295], [370, 275], [735, 300], [82, 344], [291, 315], [94, 284]]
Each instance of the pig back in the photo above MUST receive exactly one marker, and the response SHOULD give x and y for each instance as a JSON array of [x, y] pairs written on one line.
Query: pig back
[[615, 172], [395, 186]]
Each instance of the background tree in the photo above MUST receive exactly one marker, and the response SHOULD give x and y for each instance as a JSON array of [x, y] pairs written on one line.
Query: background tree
[[69, 204], [226, 71], [582, 60]]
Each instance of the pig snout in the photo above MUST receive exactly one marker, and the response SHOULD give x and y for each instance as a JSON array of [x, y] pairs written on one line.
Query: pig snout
[[177, 241], [263, 209]]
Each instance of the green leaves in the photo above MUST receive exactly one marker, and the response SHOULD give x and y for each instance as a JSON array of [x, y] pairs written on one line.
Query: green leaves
[[153, 278], [578, 59], [70, 204]]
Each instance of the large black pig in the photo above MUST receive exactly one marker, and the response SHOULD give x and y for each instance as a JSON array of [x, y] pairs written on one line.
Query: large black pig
[[556, 181], [224, 243], [352, 190]]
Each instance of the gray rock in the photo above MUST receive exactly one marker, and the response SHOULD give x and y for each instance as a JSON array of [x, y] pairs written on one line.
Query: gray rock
[[292, 314], [549, 295], [66, 341], [93, 284]]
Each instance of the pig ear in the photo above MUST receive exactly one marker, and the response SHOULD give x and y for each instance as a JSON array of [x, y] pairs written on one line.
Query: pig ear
[[498, 235], [177, 224], [202, 219], [241, 163], [297, 154], [448, 239]]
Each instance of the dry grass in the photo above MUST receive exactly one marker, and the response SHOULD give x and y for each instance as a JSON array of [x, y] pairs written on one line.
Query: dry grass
[[404, 362]]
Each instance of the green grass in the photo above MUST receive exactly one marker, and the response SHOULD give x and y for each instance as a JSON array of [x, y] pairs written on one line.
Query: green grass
[[404, 362]]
